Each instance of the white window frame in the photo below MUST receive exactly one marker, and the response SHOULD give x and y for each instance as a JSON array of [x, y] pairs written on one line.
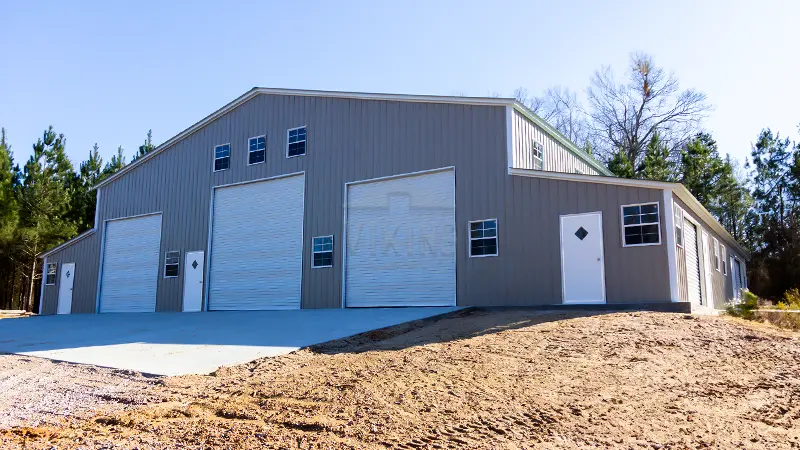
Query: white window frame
[[534, 144], [622, 222], [166, 263], [54, 266], [496, 238], [678, 226], [214, 162], [717, 263], [253, 151], [287, 141], [314, 252]]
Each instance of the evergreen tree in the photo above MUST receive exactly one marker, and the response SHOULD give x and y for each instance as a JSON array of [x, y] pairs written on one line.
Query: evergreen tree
[[733, 199], [701, 168], [9, 177], [620, 165], [656, 164], [45, 197], [84, 199], [145, 148], [115, 165]]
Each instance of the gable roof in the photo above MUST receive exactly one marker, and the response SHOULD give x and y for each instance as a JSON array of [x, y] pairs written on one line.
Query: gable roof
[[491, 101]]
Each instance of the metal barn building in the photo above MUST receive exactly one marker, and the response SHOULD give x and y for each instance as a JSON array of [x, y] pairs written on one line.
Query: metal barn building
[[289, 199]]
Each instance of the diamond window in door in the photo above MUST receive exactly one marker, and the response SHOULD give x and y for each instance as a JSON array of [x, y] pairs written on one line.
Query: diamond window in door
[[581, 233]]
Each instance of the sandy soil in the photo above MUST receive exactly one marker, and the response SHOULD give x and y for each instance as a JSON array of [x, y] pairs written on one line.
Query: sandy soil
[[510, 379]]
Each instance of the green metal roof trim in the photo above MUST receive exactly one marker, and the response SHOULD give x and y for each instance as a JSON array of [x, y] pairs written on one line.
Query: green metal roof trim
[[557, 135]]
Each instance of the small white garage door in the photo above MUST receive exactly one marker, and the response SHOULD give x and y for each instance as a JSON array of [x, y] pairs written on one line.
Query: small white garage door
[[400, 248], [257, 245], [130, 264], [692, 263]]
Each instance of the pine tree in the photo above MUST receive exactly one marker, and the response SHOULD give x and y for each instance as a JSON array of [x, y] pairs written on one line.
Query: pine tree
[[9, 178], [656, 164], [84, 199], [45, 197], [733, 199], [115, 165], [701, 168], [620, 165], [145, 148]]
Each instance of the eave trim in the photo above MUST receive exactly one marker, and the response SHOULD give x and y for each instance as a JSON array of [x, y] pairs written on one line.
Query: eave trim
[[74, 240]]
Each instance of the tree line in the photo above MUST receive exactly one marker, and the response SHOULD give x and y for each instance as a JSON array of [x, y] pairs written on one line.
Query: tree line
[[642, 125], [42, 204]]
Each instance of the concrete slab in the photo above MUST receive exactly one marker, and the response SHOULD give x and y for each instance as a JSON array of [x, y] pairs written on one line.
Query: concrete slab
[[190, 343]]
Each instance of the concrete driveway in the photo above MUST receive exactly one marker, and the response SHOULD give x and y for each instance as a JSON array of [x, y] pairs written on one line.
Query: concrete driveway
[[190, 343]]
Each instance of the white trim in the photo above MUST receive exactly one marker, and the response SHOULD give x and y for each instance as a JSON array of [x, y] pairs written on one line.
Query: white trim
[[326, 251], [672, 253], [717, 262], [602, 255], [251, 151], [678, 189], [210, 254], [470, 238], [180, 254], [41, 286], [214, 160], [304, 140], [510, 137], [390, 177], [96, 210], [623, 226]]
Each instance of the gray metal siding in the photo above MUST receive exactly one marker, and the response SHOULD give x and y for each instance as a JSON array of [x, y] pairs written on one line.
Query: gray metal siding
[[721, 283], [530, 249], [352, 140], [348, 140], [556, 157], [86, 256]]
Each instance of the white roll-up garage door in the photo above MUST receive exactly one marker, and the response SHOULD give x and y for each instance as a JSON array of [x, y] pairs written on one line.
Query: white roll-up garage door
[[130, 264], [692, 263], [401, 242], [257, 245]]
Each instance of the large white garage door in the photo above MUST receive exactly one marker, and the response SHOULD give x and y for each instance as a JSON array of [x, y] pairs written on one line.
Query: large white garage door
[[692, 263], [130, 264], [257, 245], [401, 248]]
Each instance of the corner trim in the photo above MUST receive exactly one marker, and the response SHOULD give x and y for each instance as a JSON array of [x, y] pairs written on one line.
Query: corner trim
[[41, 285], [510, 137], [672, 258]]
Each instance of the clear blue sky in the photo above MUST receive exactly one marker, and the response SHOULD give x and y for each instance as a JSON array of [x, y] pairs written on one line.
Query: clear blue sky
[[106, 72]]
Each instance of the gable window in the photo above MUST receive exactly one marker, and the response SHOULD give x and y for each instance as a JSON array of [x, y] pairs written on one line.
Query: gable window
[[222, 157], [678, 226], [641, 225], [483, 238], [257, 152], [172, 261], [322, 251], [296, 143], [51, 274], [538, 155], [716, 255], [722, 258]]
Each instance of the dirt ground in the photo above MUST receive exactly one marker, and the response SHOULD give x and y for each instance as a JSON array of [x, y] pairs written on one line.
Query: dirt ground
[[508, 379]]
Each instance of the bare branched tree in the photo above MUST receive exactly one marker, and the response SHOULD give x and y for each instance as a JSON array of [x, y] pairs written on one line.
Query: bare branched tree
[[561, 108], [625, 116]]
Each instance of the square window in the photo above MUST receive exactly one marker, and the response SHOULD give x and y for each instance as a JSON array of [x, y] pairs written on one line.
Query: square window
[[50, 278], [172, 261], [641, 225], [296, 142], [222, 157], [483, 238], [257, 150], [322, 251]]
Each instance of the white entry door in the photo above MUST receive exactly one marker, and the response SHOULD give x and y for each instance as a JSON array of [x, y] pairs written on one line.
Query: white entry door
[[193, 281], [65, 285], [708, 262], [582, 261]]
